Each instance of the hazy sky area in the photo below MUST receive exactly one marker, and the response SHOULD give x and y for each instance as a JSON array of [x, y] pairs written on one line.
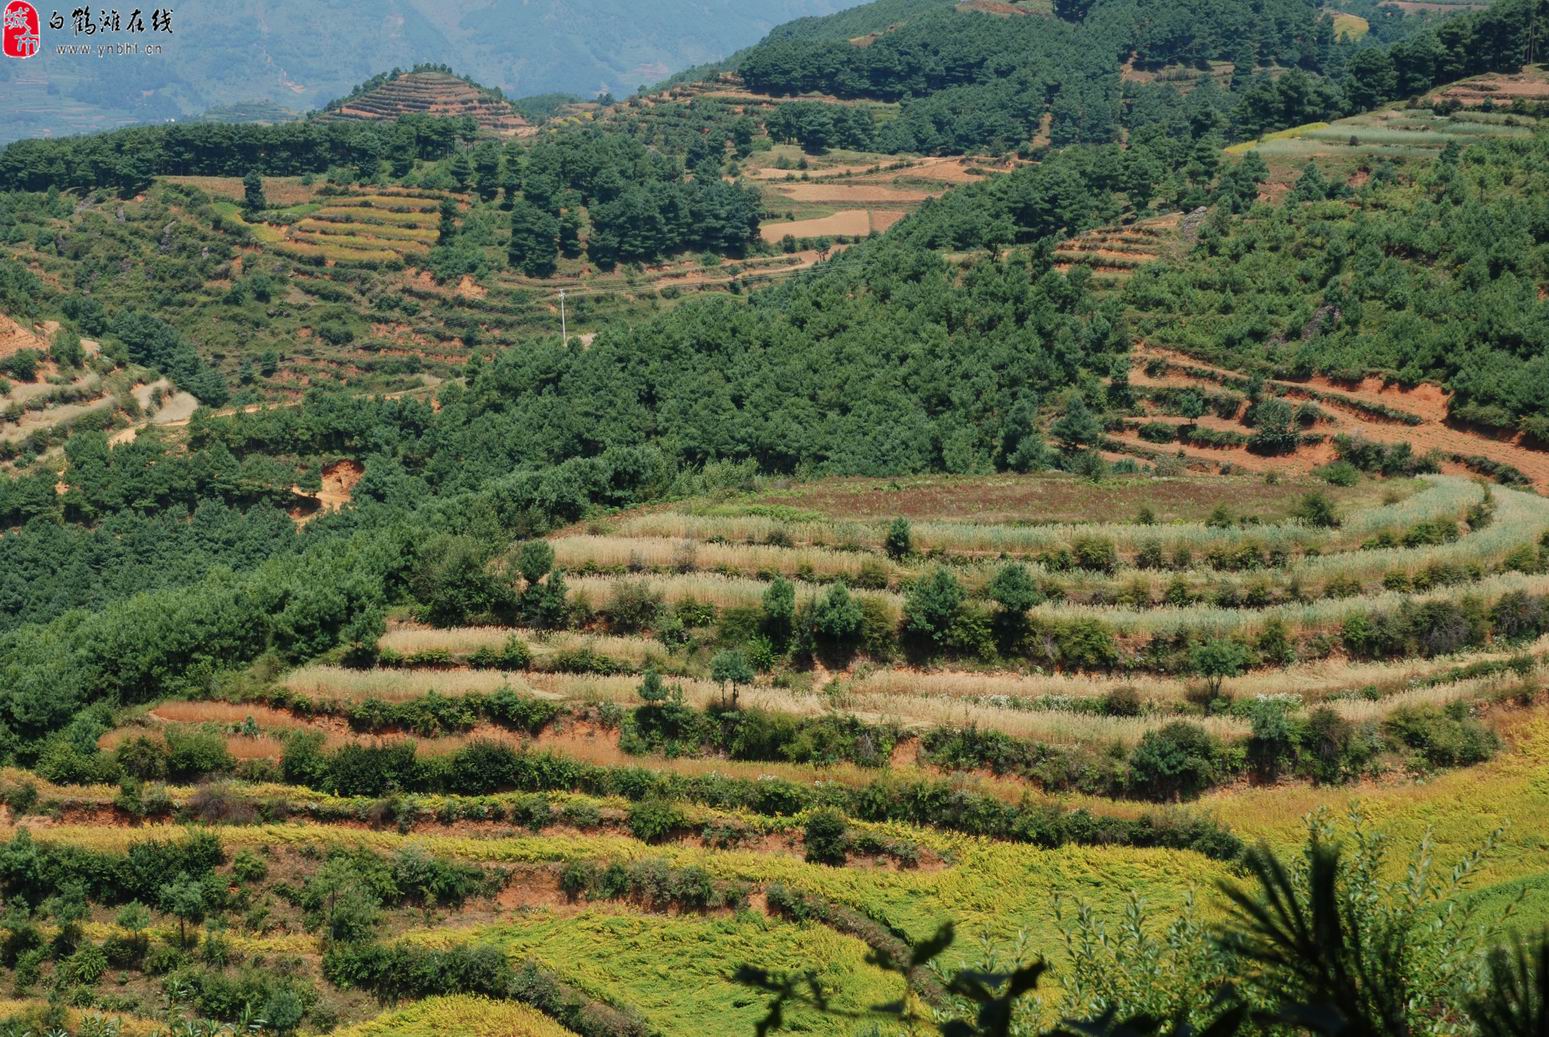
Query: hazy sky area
[[289, 56]]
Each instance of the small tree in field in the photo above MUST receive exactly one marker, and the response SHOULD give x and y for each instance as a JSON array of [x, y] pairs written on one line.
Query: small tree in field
[[135, 919], [652, 691], [900, 540], [932, 606], [731, 668], [183, 899], [1316, 509], [253, 200], [1217, 660], [780, 610]]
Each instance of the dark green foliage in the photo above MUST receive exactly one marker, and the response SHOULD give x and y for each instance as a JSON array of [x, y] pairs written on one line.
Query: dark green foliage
[[646, 221], [835, 620], [31, 872], [370, 770], [143, 758], [194, 754], [401, 971], [1316, 509], [899, 542], [1217, 660], [635, 607], [186, 900], [932, 607], [1430, 628], [1077, 428], [511, 656], [1516, 1003], [1014, 589], [817, 126], [1411, 314], [825, 839], [20, 289], [65, 349], [1442, 737], [1274, 426], [534, 239], [654, 820], [253, 200], [458, 586], [156, 344], [779, 610], [731, 668], [1178, 761], [652, 883], [22, 365], [971, 82]]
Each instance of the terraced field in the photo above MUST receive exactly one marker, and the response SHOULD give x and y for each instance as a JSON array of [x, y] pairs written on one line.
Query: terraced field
[[1497, 90], [41, 411], [615, 847], [1369, 411], [363, 251], [1350, 147], [369, 229], [1114, 253], [432, 93], [848, 193]]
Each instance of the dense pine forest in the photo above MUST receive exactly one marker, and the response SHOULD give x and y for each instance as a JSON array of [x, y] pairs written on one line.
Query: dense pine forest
[[984, 518]]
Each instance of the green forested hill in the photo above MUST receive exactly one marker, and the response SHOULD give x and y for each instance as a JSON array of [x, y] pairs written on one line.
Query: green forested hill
[[975, 80], [877, 16], [1440, 280]]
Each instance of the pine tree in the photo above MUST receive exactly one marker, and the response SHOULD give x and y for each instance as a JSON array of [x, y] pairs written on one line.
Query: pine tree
[[253, 199], [446, 229], [1078, 428], [462, 170], [534, 239]]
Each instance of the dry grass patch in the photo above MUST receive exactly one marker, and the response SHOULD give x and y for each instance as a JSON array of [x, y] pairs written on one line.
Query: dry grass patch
[[545, 645], [221, 713], [639, 552], [339, 684], [709, 588], [356, 214]]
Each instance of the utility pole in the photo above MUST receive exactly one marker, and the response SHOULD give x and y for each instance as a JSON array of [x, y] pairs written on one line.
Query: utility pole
[[564, 331]]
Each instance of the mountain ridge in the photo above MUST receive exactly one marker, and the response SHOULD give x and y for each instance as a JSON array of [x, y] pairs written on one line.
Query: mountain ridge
[[299, 56]]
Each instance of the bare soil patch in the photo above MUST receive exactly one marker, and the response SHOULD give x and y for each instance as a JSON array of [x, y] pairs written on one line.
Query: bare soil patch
[[339, 479], [849, 223], [1040, 498], [14, 337], [853, 194]]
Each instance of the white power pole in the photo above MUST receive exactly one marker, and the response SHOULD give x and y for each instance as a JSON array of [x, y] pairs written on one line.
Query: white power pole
[[564, 331]]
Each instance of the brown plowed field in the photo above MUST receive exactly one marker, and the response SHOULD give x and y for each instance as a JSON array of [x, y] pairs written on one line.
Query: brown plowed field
[[851, 222], [853, 194]]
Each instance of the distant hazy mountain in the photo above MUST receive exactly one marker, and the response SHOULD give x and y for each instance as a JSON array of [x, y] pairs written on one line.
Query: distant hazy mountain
[[297, 54]]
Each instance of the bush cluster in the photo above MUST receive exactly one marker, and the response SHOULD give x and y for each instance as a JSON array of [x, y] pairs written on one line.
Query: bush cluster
[[653, 883], [400, 971]]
